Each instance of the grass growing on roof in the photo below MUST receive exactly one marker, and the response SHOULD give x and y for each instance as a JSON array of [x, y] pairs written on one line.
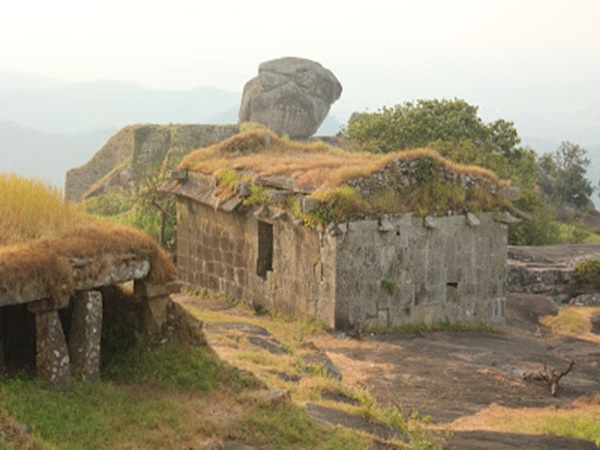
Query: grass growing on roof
[[333, 176], [265, 154], [43, 231]]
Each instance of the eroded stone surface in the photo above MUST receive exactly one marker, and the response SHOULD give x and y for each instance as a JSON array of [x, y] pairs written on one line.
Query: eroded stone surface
[[550, 270], [53, 362], [86, 333], [142, 144], [290, 96]]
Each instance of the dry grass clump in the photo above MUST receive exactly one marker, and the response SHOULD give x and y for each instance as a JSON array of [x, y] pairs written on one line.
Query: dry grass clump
[[31, 209], [350, 184], [264, 153], [43, 232]]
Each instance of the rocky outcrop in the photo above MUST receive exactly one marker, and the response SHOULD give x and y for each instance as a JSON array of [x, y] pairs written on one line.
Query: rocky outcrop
[[290, 96], [550, 270], [126, 157]]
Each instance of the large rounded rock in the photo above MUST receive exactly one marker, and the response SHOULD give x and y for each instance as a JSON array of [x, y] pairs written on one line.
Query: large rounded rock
[[290, 96]]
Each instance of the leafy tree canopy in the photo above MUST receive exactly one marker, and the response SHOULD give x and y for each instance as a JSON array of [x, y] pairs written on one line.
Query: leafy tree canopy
[[413, 125], [564, 171], [451, 127]]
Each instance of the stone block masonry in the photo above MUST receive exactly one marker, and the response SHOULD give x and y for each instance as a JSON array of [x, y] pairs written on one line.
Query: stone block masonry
[[68, 328], [450, 271], [126, 156], [225, 252], [86, 333], [368, 274]]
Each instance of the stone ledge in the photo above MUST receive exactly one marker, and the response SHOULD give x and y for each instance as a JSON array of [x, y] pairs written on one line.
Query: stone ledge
[[115, 269]]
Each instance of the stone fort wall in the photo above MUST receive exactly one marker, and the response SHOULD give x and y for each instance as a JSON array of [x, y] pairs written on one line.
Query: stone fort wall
[[124, 159], [221, 252], [410, 269], [367, 274]]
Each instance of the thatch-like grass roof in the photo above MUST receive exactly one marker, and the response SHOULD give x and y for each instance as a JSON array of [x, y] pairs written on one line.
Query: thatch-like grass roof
[[349, 184], [317, 164], [43, 235]]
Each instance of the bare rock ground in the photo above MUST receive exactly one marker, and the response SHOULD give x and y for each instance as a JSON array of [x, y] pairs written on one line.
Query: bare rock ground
[[454, 375]]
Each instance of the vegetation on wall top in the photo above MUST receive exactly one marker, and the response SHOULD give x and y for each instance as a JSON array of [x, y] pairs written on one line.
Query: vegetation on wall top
[[549, 184], [351, 184]]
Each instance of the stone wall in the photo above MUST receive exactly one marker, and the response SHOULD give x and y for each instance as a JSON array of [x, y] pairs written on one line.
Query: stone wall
[[220, 251], [365, 274], [114, 152], [420, 270], [550, 270], [126, 155]]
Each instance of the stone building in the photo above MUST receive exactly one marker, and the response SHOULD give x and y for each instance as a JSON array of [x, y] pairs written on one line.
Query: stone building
[[290, 250]]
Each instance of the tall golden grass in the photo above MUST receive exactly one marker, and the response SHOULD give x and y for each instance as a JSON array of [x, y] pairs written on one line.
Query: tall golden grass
[[40, 231], [32, 209]]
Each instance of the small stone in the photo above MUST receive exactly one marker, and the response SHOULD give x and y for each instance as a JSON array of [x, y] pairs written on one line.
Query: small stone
[[473, 220], [429, 222], [243, 189], [507, 218], [384, 225], [308, 204]]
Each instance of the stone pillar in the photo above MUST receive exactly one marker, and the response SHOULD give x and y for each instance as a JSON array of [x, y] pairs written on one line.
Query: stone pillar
[[86, 333], [52, 355], [2, 331], [155, 300]]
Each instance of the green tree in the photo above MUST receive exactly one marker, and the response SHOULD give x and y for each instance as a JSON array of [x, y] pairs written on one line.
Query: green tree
[[453, 128], [564, 180], [413, 125]]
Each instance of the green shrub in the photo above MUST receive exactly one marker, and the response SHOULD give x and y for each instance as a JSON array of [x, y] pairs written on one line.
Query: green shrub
[[588, 272]]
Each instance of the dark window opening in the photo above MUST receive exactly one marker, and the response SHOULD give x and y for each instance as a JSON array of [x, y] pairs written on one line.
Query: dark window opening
[[264, 263], [17, 340]]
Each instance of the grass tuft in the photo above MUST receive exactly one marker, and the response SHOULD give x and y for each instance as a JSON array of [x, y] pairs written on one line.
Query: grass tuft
[[31, 209]]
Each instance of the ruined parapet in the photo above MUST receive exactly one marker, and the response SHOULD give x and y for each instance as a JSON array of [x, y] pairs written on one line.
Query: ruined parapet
[[123, 160], [356, 241], [551, 270]]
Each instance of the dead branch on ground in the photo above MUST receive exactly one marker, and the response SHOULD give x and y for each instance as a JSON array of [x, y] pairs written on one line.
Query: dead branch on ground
[[548, 375]]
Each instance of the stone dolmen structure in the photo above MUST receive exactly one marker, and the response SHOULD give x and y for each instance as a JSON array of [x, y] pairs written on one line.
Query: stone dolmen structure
[[51, 303]]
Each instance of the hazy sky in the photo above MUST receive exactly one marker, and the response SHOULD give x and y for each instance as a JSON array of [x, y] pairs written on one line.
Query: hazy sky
[[383, 52]]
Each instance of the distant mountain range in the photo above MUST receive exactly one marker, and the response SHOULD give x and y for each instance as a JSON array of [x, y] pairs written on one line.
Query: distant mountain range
[[75, 108], [43, 155], [48, 127], [71, 121]]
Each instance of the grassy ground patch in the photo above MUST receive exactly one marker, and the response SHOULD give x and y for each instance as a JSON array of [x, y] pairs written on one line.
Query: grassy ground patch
[[574, 322], [581, 421], [173, 396]]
